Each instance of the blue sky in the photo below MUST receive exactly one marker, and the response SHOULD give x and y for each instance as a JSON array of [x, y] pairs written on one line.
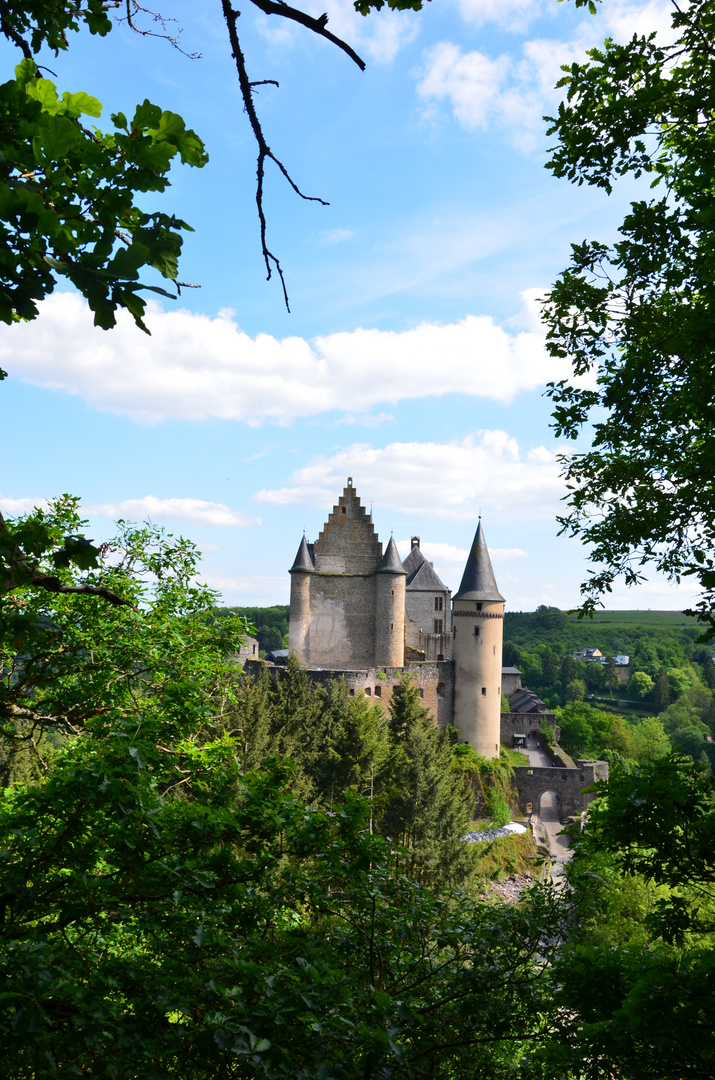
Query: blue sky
[[413, 356]]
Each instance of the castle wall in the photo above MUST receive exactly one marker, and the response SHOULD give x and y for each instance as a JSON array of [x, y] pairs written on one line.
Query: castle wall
[[568, 784], [421, 614], [342, 621]]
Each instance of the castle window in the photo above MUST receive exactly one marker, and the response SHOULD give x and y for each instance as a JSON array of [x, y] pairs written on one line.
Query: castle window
[[476, 631], [392, 626], [438, 603], [393, 592], [368, 691], [484, 691], [438, 625], [440, 689], [422, 693], [378, 691], [351, 691], [479, 607], [344, 509]]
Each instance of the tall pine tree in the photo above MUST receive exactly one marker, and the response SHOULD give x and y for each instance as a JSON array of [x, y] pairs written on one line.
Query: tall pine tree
[[427, 804]]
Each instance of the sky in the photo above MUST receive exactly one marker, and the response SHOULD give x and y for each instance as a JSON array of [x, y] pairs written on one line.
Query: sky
[[413, 356]]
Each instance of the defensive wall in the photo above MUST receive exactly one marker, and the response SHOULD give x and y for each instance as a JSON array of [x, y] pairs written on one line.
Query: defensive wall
[[567, 784]]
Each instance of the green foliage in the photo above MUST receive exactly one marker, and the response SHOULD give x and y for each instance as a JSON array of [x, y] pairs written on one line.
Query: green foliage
[[68, 198], [492, 781], [80, 649], [270, 625], [638, 313], [642, 888], [640, 685], [169, 912]]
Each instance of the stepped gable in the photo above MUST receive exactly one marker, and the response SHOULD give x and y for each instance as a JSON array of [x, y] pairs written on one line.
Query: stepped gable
[[478, 582], [421, 575], [348, 543]]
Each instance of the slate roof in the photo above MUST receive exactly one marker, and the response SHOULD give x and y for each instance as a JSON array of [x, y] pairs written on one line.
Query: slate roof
[[478, 582], [421, 574], [526, 701], [391, 562], [303, 563]]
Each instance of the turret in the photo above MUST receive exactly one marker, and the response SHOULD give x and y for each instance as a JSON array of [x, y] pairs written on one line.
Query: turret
[[299, 625], [390, 578], [478, 627]]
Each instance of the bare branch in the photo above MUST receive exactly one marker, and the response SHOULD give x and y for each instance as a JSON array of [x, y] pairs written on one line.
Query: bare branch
[[269, 7], [264, 150], [134, 8]]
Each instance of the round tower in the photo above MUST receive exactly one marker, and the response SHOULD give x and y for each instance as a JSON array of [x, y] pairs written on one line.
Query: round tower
[[390, 578], [299, 624], [478, 628]]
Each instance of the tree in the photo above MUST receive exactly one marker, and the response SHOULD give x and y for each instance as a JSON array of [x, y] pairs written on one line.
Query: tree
[[640, 685], [638, 314], [67, 193], [83, 647], [654, 825], [167, 912], [661, 693], [610, 674], [426, 802], [575, 691]]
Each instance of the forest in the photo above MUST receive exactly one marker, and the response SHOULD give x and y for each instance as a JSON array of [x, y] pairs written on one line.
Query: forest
[[666, 703], [208, 875]]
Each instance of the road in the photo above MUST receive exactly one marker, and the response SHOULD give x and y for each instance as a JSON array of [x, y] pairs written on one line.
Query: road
[[549, 817]]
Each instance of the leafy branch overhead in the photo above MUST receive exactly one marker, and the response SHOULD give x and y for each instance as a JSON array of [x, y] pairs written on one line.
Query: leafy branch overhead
[[635, 318], [70, 193]]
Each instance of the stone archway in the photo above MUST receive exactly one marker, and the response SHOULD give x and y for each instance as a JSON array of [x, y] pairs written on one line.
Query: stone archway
[[549, 805]]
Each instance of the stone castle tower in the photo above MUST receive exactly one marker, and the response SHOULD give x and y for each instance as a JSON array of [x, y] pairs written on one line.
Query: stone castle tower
[[347, 598], [354, 609], [478, 627]]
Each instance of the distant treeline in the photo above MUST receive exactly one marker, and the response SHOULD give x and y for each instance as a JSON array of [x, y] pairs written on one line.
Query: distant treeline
[[270, 624], [667, 702]]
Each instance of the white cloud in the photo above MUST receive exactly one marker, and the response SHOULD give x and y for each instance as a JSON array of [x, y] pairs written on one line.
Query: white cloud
[[508, 92], [190, 511], [258, 591], [194, 366], [447, 480], [471, 81], [508, 14], [514, 91], [449, 560], [15, 507]]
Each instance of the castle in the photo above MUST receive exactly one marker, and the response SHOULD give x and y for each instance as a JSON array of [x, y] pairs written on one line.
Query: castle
[[365, 614]]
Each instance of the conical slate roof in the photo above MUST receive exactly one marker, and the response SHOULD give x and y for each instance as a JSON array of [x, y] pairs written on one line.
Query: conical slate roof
[[303, 563], [478, 581], [391, 562]]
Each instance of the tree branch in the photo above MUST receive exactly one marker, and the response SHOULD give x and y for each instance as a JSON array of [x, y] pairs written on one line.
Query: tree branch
[[269, 7]]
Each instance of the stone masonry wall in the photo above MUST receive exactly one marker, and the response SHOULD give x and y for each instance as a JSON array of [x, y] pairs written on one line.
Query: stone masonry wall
[[568, 784], [342, 621]]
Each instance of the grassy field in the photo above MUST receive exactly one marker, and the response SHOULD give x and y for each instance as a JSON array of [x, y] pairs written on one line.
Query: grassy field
[[637, 619]]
